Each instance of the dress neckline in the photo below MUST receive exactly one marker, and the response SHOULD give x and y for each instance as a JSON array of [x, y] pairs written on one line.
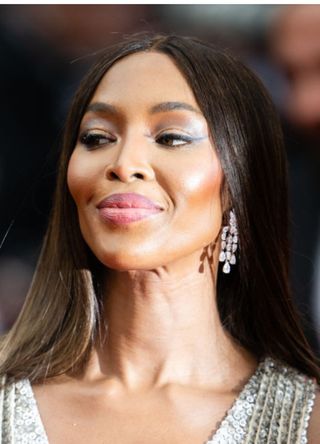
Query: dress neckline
[[235, 419]]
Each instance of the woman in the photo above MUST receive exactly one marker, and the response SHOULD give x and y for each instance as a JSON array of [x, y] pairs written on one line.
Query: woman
[[161, 301]]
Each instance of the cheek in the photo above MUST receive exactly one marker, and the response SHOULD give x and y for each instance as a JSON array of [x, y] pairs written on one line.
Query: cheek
[[197, 217], [202, 184], [200, 218], [201, 187], [80, 177]]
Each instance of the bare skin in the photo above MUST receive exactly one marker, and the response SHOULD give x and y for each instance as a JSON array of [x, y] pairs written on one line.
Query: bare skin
[[178, 394], [164, 370]]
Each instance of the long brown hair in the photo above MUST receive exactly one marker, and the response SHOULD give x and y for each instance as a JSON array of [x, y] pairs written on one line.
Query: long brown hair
[[59, 321]]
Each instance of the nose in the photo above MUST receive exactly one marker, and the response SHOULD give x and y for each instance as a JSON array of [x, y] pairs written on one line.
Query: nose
[[130, 163]]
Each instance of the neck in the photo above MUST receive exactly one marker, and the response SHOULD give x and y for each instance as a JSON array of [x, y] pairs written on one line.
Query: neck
[[163, 327]]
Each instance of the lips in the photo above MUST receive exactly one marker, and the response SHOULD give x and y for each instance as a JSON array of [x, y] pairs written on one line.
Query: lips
[[124, 208]]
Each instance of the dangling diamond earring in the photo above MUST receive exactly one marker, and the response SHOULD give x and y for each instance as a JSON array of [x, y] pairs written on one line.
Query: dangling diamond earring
[[229, 243]]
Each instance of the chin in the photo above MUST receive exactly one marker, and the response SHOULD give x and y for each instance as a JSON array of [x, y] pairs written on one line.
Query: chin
[[128, 262]]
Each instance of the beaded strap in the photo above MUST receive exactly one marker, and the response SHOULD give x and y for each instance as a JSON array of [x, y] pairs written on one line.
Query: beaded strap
[[21, 423]]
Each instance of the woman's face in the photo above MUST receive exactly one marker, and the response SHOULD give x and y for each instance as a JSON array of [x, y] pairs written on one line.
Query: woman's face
[[143, 134]]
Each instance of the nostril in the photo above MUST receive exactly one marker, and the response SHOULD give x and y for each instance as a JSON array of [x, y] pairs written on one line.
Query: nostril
[[112, 175]]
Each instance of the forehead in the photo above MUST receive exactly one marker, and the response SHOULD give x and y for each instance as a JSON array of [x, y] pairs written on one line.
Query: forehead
[[146, 77]]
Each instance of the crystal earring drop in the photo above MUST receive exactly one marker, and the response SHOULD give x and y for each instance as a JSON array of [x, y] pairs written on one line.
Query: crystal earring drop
[[229, 243]]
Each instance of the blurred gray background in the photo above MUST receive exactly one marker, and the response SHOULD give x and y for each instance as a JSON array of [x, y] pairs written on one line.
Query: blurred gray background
[[46, 49]]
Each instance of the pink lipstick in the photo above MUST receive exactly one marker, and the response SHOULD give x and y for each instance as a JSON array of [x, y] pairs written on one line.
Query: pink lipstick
[[124, 208]]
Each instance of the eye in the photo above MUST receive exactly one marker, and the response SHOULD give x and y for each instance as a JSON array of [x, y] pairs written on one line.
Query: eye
[[94, 139], [173, 139]]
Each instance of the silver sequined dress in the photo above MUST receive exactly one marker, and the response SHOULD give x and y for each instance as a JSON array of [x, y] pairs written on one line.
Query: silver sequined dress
[[273, 408]]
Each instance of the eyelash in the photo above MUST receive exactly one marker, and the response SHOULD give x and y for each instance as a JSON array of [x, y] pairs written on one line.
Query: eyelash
[[174, 137], [93, 140]]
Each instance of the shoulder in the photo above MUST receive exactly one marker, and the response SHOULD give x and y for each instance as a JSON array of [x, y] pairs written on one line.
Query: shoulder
[[314, 425], [15, 408], [290, 395], [12, 393], [297, 384], [7, 389], [3, 387]]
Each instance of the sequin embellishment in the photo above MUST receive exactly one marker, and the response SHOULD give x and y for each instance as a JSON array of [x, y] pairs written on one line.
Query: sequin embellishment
[[274, 407], [21, 423]]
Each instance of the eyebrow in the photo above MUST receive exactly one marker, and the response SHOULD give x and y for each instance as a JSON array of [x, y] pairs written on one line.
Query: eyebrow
[[100, 107], [172, 106], [106, 108]]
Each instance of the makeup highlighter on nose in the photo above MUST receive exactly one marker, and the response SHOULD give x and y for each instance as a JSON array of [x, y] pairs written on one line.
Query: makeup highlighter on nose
[[125, 208]]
